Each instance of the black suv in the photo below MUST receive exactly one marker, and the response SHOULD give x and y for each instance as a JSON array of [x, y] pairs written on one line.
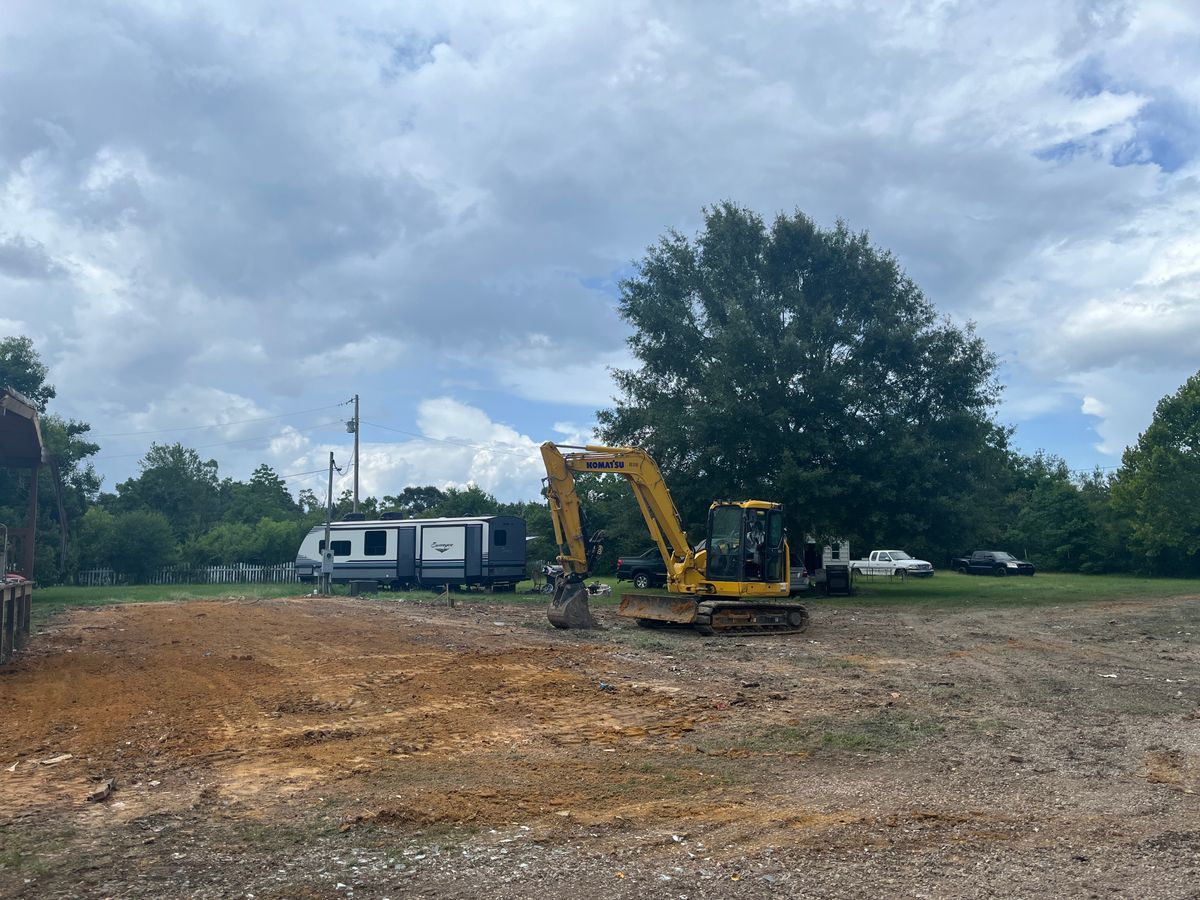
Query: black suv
[[645, 571]]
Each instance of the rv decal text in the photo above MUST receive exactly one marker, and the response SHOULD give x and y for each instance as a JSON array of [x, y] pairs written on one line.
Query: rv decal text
[[440, 547]]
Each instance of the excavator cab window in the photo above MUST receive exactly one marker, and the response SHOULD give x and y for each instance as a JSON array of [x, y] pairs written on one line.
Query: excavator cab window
[[756, 544], [745, 544], [773, 554], [725, 527]]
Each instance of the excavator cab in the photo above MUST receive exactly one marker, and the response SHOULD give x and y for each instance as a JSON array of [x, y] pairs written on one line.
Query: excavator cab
[[746, 543]]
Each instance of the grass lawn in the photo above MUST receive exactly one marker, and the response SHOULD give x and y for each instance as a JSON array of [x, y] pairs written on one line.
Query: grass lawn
[[949, 589], [50, 600], [944, 590]]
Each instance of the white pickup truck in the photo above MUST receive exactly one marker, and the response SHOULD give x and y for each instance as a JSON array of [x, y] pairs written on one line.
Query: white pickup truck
[[892, 562]]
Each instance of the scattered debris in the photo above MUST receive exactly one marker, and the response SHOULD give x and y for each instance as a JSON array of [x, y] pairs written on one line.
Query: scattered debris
[[103, 791], [55, 760]]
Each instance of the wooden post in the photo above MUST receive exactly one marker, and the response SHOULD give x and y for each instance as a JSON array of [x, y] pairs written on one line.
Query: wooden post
[[25, 609], [8, 622], [27, 547]]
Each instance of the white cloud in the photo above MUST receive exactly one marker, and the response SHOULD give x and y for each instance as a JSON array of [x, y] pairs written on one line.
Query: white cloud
[[1123, 403], [394, 199], [457, 445]]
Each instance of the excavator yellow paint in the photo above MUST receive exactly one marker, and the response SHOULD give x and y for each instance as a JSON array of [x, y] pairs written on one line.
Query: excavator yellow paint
[[732, 592]]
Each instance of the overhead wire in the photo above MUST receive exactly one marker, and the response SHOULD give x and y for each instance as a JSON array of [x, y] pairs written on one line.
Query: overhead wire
[[264, 437], [298, 412]]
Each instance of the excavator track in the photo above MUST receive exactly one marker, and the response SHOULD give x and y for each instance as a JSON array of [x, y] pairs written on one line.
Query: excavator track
[[749, 617]]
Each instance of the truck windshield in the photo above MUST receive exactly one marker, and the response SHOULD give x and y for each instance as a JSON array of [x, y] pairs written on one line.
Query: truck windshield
[[1003, 556], [899, 554]]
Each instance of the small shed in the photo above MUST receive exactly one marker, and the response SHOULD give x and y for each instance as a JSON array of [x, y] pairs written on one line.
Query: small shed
[[21, 447], [819, 555]]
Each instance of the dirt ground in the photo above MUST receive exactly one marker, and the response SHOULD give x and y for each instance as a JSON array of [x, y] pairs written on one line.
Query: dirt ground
[[359, 748]]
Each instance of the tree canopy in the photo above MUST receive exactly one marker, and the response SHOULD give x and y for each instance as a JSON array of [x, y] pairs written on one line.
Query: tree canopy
[[1157, 490], [794, 363], [22, 368], [176, 482]]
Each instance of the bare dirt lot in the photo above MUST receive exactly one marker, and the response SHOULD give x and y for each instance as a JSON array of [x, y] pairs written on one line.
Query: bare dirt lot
[[357, 748]]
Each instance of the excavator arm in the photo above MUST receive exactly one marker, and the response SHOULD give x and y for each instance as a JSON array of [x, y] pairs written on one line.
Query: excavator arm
[[579, 549], [649, 489]]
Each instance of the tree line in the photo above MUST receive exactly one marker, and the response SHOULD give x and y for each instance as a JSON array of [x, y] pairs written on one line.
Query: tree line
[[777, 360]]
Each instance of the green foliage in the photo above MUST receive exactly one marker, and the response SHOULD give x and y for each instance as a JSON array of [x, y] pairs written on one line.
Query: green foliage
[[69, 478], [469, 501], [142, 541], [22, 368], [802, 365], [265, 495], [1157, 490], [1057, 522], [175, 482], [414, 501], [96, 538], [268, 542]]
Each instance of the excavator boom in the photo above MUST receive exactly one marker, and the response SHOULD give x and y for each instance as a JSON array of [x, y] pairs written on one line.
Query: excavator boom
[[744, 562]]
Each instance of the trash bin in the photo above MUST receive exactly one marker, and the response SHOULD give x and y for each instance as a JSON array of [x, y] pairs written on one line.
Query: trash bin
[[837, 581]]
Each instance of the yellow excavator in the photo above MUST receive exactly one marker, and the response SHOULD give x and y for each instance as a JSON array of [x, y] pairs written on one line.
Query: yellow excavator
[[737, 582]]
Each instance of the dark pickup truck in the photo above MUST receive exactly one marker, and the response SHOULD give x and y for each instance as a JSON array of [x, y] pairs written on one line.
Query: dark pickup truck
[[991, 562], [646, 570]]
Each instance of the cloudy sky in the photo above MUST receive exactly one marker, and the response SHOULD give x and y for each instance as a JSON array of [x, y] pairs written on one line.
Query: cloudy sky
[[219, 220]]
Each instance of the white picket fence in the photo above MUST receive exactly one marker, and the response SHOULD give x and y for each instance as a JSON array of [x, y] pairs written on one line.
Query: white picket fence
[[240, 573]]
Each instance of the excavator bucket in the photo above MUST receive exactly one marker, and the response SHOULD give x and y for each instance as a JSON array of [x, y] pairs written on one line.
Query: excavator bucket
[[569, 608]]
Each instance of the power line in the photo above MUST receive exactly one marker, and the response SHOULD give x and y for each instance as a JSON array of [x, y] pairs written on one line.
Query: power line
[[301, 474], [264, 437], [298, 412]]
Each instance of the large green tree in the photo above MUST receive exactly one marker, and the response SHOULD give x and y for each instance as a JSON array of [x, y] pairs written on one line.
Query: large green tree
[[141, 542], [67, 486], [1157, 489], [801, 364], [177, 483], [264, 496], [22, 368], [415, 500], [1061, 521]]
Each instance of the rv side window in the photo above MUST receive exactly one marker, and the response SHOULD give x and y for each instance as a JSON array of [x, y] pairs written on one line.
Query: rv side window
[[375, 543], [340, 548], [501, 537]]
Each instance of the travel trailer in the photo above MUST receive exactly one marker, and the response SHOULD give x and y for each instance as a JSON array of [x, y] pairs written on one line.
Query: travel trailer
[[482, 550]]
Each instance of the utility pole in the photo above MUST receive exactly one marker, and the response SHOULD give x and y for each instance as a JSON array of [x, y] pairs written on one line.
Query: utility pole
[[327, 553], [356, 453]]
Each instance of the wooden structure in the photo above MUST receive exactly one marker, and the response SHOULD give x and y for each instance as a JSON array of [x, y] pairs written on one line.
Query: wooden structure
[[16, 601], [21, 447]]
